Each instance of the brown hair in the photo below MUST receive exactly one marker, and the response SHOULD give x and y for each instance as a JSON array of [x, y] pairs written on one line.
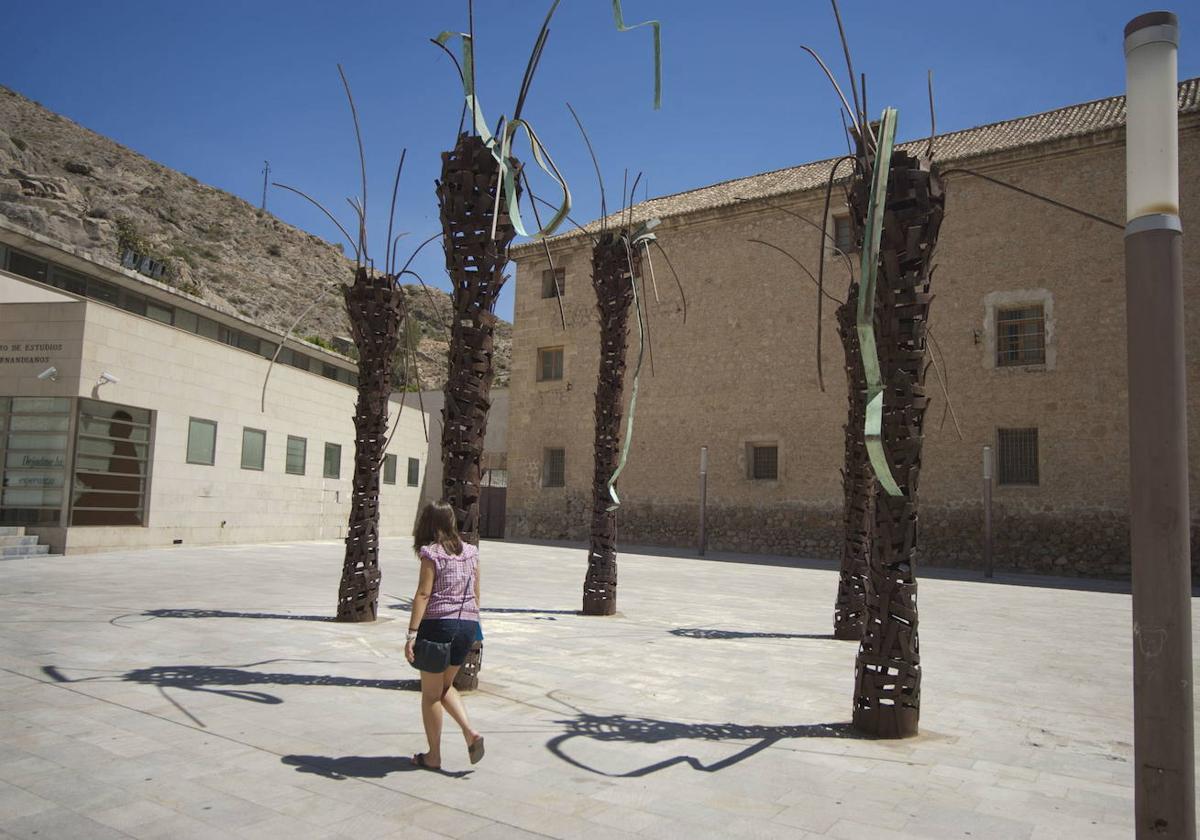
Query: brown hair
[[436, 524]]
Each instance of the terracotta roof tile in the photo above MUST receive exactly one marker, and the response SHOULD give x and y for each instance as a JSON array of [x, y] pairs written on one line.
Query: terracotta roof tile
[[1061, 124]]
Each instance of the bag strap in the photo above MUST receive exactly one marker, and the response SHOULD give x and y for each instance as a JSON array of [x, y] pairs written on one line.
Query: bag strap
[[466, 591]]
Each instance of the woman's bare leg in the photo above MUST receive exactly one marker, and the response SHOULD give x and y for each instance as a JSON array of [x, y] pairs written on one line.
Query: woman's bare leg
[[431, 716], [452, 701]]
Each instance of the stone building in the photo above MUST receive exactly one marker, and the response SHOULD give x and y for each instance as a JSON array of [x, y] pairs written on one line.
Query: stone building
[[1029, 323]]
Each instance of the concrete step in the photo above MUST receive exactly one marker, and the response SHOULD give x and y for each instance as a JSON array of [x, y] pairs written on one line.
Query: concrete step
[[9, 552], [12, 531], [18, 539]]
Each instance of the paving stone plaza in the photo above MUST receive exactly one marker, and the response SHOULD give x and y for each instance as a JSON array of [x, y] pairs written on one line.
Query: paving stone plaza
[[203, 692]]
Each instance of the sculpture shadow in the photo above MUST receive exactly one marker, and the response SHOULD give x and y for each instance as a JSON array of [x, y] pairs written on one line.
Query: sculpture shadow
[[704, 633], [228, 682], [360, 766], [197, 613], [619, 728]]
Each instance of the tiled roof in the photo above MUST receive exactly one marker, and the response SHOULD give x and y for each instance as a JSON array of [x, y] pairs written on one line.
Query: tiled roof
[[1063, 123]]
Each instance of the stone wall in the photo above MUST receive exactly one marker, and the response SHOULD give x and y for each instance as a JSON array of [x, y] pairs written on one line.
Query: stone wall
[[741, 370]]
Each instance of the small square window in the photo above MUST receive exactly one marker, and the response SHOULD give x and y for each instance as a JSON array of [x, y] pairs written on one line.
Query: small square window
[[389, 469], [554, 283], [764, 461], [1017, 454], [843, 234], [554, 468], [333, 460], [1021, 336], [297, 454], [254, 448], [550, 364], [201, 442], [414, 472]]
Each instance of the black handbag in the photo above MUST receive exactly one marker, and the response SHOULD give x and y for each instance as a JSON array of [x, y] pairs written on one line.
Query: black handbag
[[432, 656]]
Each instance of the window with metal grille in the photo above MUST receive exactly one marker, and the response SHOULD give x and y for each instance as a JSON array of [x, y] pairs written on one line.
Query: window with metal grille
[[764, 461], [1021, 336], [554, 468], [843, 234], [254, 448], [549, 287], [201, 441], [550, 364], [333, 460], [389, 469], [297, 454], [1017, 451], [414, 472]]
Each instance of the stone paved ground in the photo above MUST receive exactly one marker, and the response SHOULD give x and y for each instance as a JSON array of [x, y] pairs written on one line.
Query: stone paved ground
[[199, 692]]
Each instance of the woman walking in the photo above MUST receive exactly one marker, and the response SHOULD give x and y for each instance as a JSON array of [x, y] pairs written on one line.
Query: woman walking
[[443, 626]]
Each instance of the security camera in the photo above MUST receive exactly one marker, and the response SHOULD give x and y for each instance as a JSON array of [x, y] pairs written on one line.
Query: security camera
[[107, 377], [50, 373]]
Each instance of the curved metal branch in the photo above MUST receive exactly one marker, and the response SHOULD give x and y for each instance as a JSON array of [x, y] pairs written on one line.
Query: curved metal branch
[[320, 207], [595, 163], [537, 217], [821, 262], [800, 264], [833, 82], [849, 66], [279, 349], [1032, 194], [674, 274], [362, 161], [392, 210]]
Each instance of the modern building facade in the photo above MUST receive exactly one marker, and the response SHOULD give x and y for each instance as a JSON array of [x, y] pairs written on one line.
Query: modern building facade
[[1029, 339], [132, 414]]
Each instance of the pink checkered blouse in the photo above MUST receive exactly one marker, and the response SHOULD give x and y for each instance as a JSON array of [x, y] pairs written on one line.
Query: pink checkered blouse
[[454, 573]]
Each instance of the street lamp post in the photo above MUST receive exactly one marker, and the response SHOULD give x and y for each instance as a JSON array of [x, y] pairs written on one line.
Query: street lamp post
[[988, 560], [703, 499], [1164, 769]]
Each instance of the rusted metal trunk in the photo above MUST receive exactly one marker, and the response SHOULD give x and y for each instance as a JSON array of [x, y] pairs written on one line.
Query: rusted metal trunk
[[850, 609], [375, 306], [887, 681], [475, 261], [612, 278]]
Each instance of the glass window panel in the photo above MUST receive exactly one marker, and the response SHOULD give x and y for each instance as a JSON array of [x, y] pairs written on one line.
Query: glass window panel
[[27, 266], [105, 446], [333, 460], [100, 290], [254, 448], [18, 440], [764, 463], [164, 314], [554, 468], [68, 280], [25, 460], [247, 342], [186, 320], [33, 497], [297, 453], [38, 422], [414, 472], [104, 463], [27, 405], [266, 349], [389, 469], [133, 302], [96, 410], [208, 328], [329, 371], [202, 441], [34, 478], [228, 336]]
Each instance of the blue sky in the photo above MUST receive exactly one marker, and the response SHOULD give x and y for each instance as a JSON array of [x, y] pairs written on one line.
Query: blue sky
[[215, 88]]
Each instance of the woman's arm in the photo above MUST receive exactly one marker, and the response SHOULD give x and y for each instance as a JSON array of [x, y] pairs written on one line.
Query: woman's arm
[[420, 602]]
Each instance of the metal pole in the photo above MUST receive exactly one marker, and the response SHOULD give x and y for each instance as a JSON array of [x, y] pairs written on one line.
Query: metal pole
[[987, 512], [1164, 769], [703, 498], [266, 174]]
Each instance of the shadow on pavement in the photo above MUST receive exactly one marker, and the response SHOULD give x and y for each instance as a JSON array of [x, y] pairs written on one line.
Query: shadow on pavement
[[405, 604], [360, 766], [619, 728], [193, 613], [224, 681], [702, 633]]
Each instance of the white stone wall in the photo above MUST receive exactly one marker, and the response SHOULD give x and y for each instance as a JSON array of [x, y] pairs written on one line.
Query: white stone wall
[[180, 375]]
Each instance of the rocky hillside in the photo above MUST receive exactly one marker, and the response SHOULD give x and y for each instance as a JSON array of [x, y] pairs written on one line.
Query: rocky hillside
[[61, 180]]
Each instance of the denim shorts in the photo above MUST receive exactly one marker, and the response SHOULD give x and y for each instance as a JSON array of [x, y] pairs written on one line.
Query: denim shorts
[[460, 634]]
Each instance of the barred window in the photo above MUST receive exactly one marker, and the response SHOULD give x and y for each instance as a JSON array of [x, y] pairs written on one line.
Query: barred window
[[764, 461], [1017, 451], [843, 234], [550, 364], [554, 468], [1021, 336], [549, 287]]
